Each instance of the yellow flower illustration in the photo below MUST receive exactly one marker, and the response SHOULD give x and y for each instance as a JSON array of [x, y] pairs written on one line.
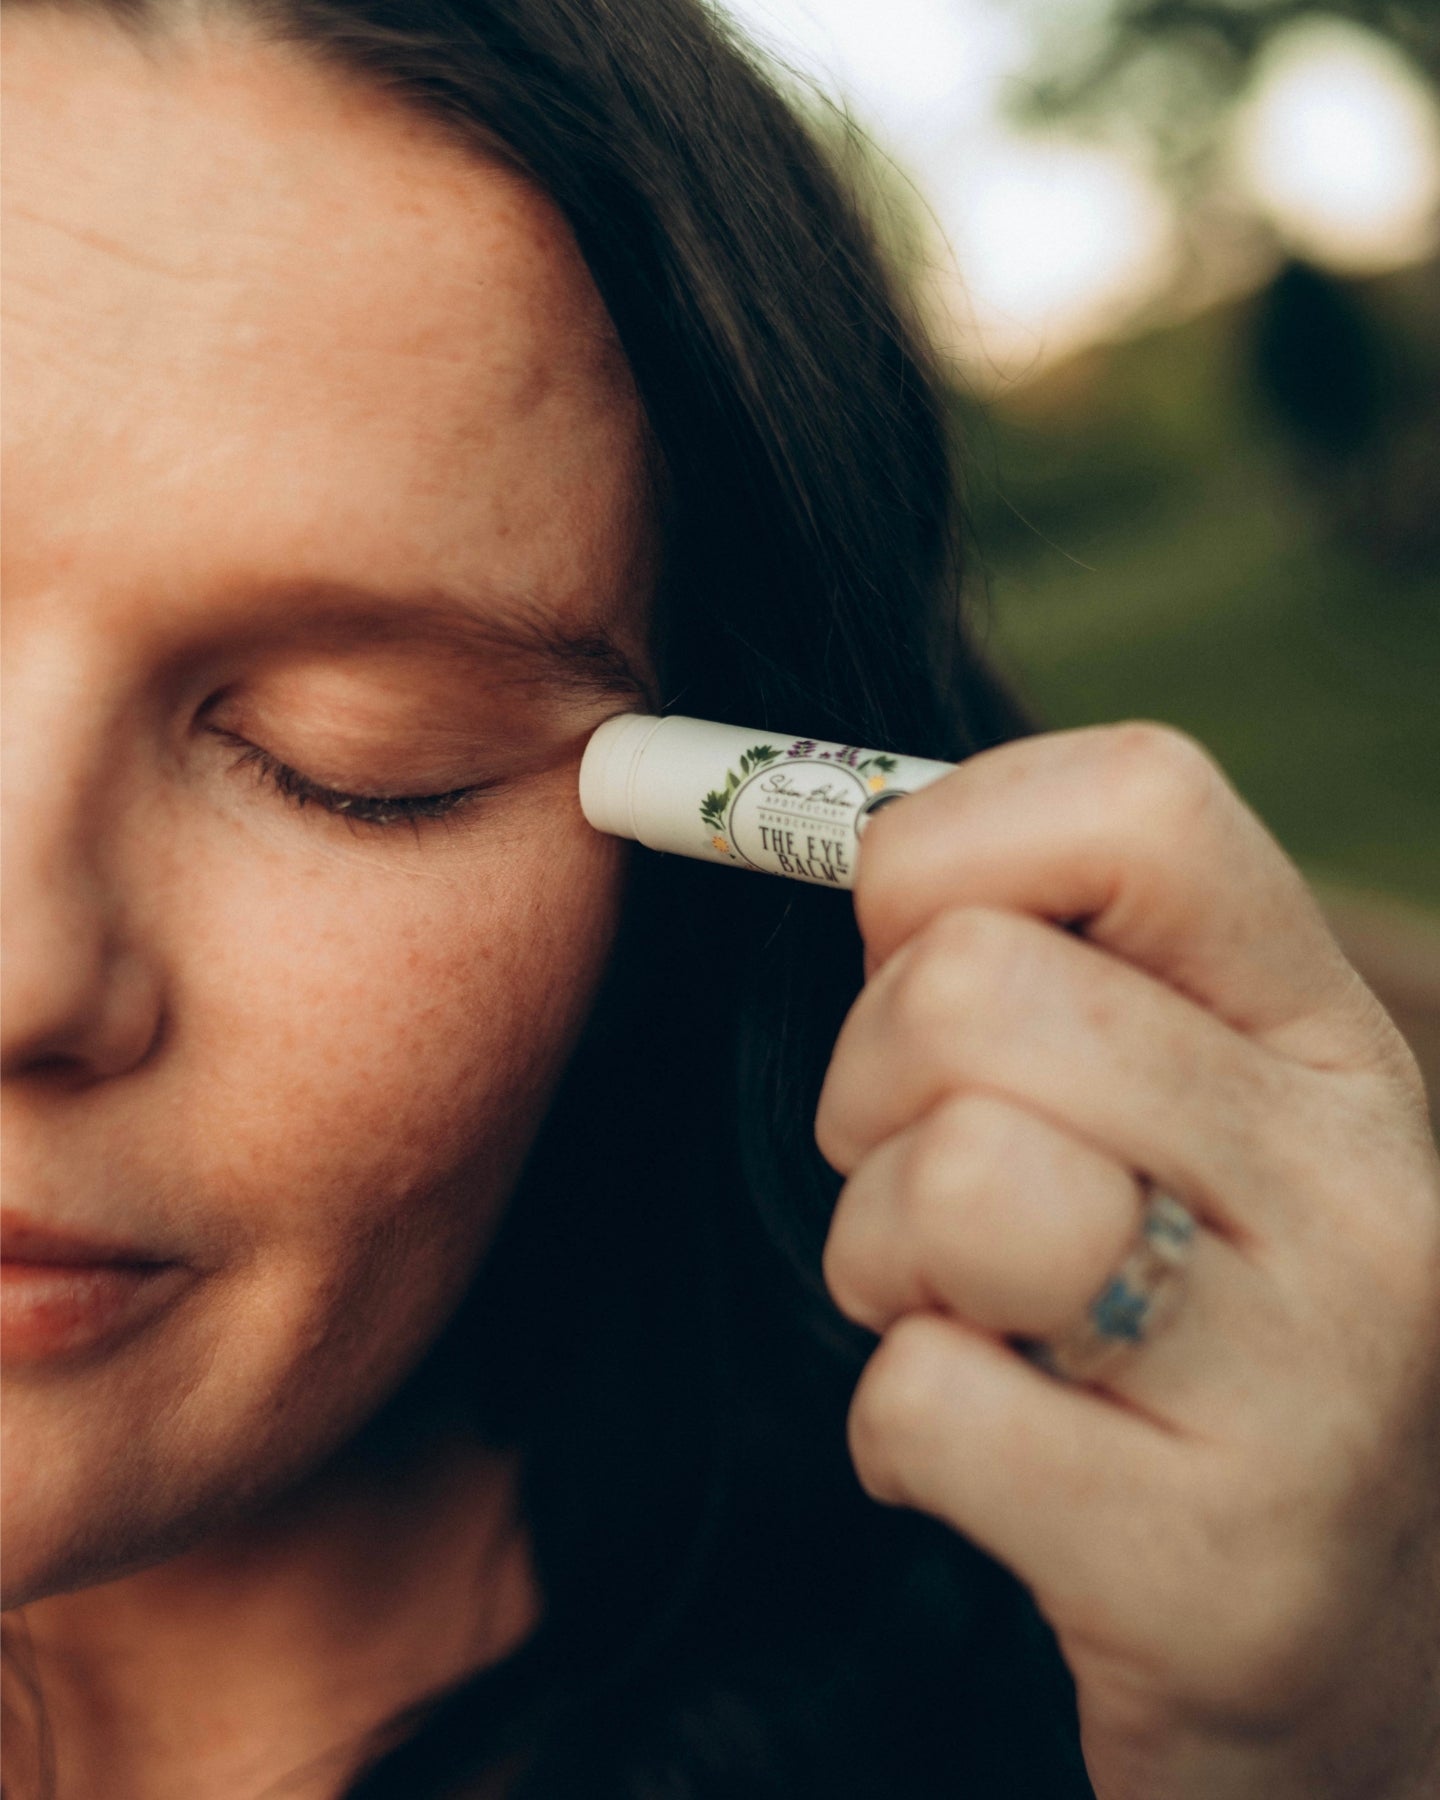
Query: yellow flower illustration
[[875, 783], [721, 845]]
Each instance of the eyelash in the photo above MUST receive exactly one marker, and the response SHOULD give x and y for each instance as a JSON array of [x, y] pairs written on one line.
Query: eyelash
[[383, 810]]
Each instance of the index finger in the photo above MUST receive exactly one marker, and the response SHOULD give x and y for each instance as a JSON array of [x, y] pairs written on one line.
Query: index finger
[[1131, 833]]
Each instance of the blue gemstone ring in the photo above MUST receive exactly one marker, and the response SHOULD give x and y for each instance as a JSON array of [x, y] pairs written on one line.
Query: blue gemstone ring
[[1134, 1303]]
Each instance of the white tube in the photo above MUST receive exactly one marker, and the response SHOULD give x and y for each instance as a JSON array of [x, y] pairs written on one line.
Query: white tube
[[754, 799]]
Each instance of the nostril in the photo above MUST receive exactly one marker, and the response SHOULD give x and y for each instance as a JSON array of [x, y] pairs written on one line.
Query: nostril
[[52, 1067], [81, 1021]]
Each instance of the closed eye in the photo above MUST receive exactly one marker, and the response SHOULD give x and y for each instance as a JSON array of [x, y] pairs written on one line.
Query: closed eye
[[366, 809]]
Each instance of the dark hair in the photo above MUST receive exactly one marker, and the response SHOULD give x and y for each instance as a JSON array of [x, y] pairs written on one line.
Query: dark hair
[[725, 1612]]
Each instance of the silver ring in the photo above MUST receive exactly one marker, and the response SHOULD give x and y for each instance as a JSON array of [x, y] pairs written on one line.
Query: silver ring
[[1136, 1302]]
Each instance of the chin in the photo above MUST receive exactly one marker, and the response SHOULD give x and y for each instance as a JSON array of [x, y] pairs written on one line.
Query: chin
[[61, 1534], [45, 1555], [41, 1561]]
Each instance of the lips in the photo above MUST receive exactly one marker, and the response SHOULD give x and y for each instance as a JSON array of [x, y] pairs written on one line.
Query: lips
[[23, 1239], [63, 1293]]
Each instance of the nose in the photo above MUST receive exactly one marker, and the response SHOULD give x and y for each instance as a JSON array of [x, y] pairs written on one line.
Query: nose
[[79, 998], [83, 1010]]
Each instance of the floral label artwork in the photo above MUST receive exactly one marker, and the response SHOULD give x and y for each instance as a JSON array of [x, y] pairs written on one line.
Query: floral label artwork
[[776, 802], [795, 813]]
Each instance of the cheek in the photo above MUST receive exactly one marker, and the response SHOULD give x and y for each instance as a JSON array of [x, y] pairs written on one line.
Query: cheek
[[382, 1033], [365, 1044], [355, 1063]]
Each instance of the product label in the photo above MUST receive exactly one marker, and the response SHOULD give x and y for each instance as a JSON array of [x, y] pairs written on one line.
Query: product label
[[793, 810]]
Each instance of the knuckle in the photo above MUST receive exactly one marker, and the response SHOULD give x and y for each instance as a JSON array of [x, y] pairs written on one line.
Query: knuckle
[[923, 1002], [840, 1268], [1163, 776], [883, 869], [892, 1414], [828, 1138], [1151, 745], [931, 1170], [827, 1128], [967, 934], [953, 965], [876, 890], [955, 1151]]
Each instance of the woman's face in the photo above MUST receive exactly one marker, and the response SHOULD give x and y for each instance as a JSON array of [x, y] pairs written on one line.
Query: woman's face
[[308, 414]]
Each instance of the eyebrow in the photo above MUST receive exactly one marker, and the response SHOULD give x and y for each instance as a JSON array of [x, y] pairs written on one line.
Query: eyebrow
[[580, 663]]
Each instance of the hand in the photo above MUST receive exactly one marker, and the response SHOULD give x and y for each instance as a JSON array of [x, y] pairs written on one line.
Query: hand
[[1236, 1533]]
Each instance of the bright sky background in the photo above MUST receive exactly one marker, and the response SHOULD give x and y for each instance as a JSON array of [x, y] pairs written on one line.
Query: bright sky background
[[1045, 242]]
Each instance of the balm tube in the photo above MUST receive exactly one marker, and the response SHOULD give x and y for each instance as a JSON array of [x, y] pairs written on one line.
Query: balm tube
[[754, 799]]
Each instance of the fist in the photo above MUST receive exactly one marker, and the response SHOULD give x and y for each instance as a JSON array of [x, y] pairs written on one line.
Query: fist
[[1089, 968]]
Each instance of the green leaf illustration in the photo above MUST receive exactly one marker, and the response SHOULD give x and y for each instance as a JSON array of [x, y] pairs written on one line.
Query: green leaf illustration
[[712, 807]]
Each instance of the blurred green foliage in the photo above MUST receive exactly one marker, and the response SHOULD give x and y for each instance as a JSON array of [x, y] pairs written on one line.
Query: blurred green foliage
[[1156, 537], [1167, 69], [1221, 38]]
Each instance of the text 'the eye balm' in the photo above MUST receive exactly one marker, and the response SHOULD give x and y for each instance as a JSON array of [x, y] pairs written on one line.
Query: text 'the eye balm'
[[756, 799]]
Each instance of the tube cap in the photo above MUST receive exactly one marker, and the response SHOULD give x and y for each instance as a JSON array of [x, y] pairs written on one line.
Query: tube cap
[[606, 769]]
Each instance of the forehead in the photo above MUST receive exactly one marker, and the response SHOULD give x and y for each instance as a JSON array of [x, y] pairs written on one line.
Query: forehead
[[242, 287]]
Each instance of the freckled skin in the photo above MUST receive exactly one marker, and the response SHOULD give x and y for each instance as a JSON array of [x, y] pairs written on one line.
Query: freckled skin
[[261, 326]]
